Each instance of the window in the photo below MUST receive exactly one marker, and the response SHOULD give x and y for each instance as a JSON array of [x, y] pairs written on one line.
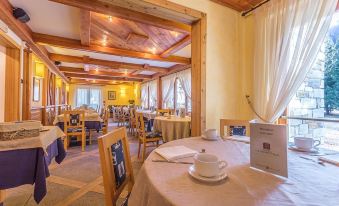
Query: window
[[149, 94], [311, 103], [88, 96], [181, 99]]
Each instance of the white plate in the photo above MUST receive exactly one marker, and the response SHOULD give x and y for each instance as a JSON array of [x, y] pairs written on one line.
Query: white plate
[[195, 175], [210, 139], [295, 148]]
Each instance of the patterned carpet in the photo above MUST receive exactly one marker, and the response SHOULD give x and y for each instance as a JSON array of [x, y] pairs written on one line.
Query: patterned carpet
[[76, 181]]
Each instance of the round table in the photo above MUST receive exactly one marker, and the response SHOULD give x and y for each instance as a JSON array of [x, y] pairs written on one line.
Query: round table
[[165, 184], [172, 127]]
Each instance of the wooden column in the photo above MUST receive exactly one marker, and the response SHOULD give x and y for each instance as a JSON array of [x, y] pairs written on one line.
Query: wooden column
[[12, 85], [27, 86], [198, 76], [159, 93]]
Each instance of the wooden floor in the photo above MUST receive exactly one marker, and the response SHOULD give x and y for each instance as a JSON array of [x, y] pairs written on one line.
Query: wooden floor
[[76, 181]]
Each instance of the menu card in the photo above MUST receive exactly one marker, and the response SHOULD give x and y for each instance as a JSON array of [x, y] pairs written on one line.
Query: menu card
[[268, 148]]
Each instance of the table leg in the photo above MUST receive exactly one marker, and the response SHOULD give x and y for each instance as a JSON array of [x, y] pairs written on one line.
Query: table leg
[[2, 196]]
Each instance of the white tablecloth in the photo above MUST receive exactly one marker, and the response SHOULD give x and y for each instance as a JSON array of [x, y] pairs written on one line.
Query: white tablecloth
[[166, 184], [148, 113], [42, 141], [88, 118], [172, 128]]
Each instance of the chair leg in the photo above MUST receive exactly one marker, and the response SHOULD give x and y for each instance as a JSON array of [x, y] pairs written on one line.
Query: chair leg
[[139, 148], [66, 143], [83, 141], [90, 137], [144, 152]]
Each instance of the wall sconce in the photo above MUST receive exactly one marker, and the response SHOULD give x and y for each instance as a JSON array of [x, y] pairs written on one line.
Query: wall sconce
[[123, 92], [39, 70]]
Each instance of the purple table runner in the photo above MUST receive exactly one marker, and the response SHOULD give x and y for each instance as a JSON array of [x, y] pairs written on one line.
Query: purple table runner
[[88, 124], [29, 166]]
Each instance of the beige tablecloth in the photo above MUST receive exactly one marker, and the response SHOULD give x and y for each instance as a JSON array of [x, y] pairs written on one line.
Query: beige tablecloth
[[148, 113], [43, 140], [173, 128], [88, 117], [166, 184]]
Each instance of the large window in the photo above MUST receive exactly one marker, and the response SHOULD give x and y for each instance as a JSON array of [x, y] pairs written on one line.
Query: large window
[[149, 94], [88, 96], [180, 98]]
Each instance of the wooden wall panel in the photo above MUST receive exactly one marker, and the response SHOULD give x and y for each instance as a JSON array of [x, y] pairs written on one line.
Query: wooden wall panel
[[12, 85], [36, 114]]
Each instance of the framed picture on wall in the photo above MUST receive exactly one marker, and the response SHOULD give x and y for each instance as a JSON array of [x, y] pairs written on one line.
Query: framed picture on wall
[[112, 95], [36, 89]]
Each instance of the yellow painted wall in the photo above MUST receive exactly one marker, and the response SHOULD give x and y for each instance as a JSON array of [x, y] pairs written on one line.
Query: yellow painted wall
[[124, 93], [229, 61]]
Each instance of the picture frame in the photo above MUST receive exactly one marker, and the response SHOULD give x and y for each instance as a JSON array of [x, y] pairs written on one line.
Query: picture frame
[[112, 95], [36, 89]]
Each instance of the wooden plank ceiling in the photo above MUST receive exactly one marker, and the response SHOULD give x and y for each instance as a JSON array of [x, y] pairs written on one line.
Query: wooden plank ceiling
[[109, 29], [239, 5]]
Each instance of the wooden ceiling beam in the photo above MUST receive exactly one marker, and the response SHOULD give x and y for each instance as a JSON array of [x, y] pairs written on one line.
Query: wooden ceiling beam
[[45, 39], [123, 13], [102, 73], [96, 77], [171, 70], [97, 82], [85, 27], [105, 63], [177, 46], [25, 34]]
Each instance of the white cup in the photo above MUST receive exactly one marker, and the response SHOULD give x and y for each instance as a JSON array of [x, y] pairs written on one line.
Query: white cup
[[208, 165], [211, 133], [306, 143]]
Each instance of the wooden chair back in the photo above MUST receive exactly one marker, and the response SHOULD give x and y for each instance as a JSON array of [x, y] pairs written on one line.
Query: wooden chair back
[[116, 164], [140, 125], [230, 124], [74, 120], [161, 112], [104, 117]]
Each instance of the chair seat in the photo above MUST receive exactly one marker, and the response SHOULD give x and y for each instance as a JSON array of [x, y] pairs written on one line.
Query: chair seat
[[153, 135], [74, 130]]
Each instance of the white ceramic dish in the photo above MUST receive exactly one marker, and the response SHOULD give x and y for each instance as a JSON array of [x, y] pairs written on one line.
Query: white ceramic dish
[[295, 148], [210, 139], [195, 175]]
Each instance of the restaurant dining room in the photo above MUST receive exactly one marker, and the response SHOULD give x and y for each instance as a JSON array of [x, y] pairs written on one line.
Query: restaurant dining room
[[169, 102]]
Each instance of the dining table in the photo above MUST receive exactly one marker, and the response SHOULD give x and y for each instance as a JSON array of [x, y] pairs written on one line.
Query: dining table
[[93, 121], [26, 160], [172, 127], [169, 184]]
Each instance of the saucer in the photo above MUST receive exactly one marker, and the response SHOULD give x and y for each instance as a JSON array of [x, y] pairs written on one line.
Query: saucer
[[295, 148], [195, 175], [210, 139]]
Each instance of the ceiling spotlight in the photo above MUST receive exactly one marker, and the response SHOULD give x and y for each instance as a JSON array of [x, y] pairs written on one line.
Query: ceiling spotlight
[[96, 69], [93, 81], [153, 50], [110, 18], [174, 33], [125, 72]]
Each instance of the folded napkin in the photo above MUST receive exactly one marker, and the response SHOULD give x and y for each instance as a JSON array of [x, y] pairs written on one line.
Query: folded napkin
[[243, 139], [175, 152]]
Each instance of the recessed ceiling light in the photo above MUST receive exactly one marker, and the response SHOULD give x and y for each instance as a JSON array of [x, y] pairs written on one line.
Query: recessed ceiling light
[[110, 18], [125, 72], [174, 33], [153, 50]]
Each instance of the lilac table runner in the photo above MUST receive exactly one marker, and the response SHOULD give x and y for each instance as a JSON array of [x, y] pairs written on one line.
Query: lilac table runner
[[29, 166]]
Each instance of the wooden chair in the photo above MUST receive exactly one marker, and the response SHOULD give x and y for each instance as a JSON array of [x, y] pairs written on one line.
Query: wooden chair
[[233, 125], [104, 116], [132, 121], [116, 165], [145, 138], [74, 125], [161, 112]]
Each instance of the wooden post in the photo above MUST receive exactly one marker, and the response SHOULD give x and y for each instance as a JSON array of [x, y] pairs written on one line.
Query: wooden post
[[27, 86], [159, 93], [198, 76]]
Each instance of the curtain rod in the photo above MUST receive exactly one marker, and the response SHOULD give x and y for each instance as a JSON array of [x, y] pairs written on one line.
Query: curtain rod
[[244, 13]]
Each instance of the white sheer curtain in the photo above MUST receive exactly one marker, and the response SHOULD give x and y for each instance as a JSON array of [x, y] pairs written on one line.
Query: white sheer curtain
[[168, 91], [288, 36], [88, 95], [153, 91], [186, 82], [144, 95]]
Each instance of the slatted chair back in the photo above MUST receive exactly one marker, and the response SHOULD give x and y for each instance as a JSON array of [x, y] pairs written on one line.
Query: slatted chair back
[[161, 112], [234, 127], [104, 117], [74, 120], [140, 125], [116, 164]]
